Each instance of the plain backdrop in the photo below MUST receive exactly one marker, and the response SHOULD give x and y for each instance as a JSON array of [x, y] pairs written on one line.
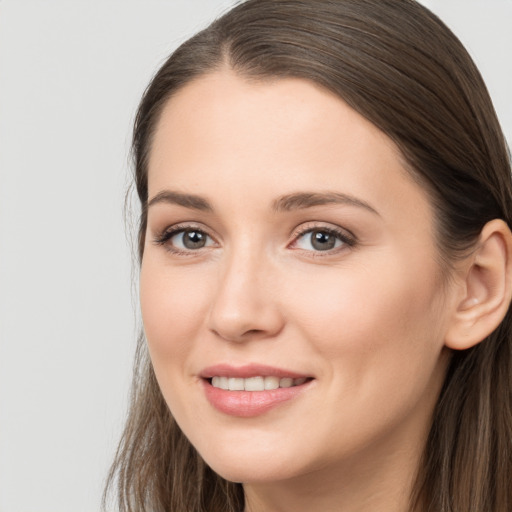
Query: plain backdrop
[[71, 74]]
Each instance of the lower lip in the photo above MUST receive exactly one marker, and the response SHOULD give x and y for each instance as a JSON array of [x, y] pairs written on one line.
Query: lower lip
[[247, 404]]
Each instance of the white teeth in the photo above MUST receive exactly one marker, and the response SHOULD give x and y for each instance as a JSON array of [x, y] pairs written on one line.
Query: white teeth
[[286, 382], [271, 382], [235, 384], [255, 383]]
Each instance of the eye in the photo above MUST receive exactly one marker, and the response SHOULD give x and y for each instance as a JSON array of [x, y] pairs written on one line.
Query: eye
[[322, 239], [190, 239], [184, 239]]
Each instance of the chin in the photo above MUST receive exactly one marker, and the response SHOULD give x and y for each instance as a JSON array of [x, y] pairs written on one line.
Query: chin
[[253, 466], [247, 473]]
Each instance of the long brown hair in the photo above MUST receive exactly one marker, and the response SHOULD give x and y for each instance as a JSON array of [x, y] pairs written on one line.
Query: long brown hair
[[399, 66]]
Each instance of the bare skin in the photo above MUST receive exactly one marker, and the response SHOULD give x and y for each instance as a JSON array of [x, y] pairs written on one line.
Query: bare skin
[[283, 230]]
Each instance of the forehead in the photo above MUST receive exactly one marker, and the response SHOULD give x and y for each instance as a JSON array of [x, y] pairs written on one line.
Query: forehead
[[224, 109], [276, 137]]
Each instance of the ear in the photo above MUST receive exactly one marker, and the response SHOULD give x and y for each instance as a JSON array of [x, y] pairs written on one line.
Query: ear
[[486, 288]]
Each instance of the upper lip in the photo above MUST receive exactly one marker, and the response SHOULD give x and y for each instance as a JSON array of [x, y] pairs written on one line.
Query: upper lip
[[248, 370]]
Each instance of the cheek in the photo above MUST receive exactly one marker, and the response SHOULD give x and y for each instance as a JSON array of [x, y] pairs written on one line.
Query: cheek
[[376, 310], [172, 304], [378, 337]]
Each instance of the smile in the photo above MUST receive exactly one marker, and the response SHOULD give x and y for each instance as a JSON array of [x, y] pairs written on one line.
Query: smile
[[252, 390], [255, 383]]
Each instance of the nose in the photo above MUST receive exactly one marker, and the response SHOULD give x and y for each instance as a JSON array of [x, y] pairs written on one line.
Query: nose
[[246, 305]]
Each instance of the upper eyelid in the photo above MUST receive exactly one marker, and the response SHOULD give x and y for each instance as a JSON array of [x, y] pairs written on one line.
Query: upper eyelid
[[184, 226], [307, 227]]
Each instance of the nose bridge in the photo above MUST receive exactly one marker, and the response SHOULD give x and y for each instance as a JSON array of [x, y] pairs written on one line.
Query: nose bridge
[[243, 305]]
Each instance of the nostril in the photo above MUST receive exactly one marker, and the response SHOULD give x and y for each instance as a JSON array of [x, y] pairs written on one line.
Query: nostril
[[241, 335], [252, 332]]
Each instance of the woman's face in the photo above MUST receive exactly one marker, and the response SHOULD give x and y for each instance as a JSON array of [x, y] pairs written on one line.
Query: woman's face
[[287, 245]]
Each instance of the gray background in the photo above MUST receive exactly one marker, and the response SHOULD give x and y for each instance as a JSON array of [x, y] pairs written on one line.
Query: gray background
[[71, 74]]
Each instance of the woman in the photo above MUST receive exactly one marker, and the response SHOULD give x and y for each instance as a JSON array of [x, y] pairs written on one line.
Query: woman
[[325, 269]]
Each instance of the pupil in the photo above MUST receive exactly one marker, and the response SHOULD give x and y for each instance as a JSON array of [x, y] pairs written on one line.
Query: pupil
[[323, 241], [194, 239]]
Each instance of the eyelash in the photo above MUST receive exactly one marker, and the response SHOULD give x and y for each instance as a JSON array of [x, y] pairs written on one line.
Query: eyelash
[[347, 238], [164, 237]]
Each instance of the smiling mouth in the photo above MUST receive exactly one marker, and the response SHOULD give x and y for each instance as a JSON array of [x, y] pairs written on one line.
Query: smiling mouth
[[258, 383], [252, 390]]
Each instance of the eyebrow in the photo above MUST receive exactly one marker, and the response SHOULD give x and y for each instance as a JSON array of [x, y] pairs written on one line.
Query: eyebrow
[[191, 201], [286, 203], [302, 200]]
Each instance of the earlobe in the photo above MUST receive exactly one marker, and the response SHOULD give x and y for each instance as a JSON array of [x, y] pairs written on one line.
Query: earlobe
[[486, 288]]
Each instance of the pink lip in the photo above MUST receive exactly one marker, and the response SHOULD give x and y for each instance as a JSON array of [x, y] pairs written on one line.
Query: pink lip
[[248, 370], [246, 404]]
